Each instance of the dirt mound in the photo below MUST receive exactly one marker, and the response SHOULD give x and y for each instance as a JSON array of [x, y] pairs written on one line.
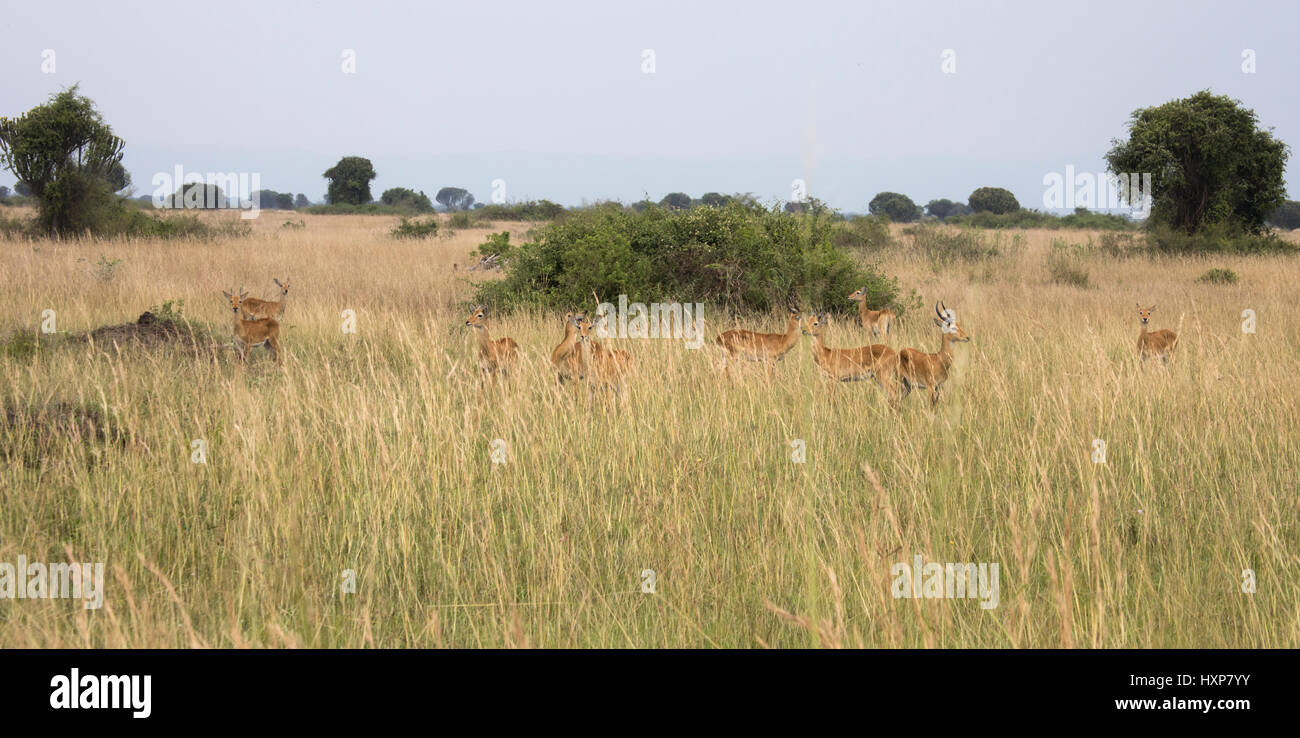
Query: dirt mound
[[147, 330]]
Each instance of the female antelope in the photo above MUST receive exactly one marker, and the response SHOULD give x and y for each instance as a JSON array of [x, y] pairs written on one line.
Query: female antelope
[[494, 355], [765, 347], [255, 308], [600, 366], [567, 357], [930, 371], [877, 322], [850, 365], [1160, 344], [250, 333]]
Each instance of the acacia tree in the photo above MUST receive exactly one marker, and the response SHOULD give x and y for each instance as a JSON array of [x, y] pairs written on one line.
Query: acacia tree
[[68, 158], [1208, 161], [455, 198], [350, 180]]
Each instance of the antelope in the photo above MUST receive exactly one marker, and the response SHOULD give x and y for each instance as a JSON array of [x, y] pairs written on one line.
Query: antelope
[[255, 308], [567, 357], [1159, 343], [877, 322], [850, 365], [250, 333], [600, 365], [930, 371], [494, 355], [765, 347]]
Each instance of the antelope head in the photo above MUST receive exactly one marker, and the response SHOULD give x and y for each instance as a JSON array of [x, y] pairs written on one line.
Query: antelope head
[[947, 322], [478, 319], [235, 299], [1145, 313]]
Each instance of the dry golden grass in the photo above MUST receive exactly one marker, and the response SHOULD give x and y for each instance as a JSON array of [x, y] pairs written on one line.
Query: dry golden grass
[[372, 452]]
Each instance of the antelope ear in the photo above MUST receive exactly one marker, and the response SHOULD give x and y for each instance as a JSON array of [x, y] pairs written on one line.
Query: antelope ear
[[938, 322], [243, 295], [1151, 309], [1139, 306], [227, 294], [277, 282]]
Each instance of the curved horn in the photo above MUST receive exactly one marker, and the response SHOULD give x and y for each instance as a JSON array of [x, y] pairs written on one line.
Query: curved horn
[[947, 316]]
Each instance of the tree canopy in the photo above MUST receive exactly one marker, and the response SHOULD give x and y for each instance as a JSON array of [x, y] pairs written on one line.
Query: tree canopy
[[403, 197], [350, 181], [1208, 160], [67, 157], [899, 208], [455, 198], [994, 200]]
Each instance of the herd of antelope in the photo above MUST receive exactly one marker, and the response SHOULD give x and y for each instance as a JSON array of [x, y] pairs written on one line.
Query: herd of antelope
[[580, 356]]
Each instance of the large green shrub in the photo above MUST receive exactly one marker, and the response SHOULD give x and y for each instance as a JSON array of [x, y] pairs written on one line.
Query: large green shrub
[[1215, 238], [897, 207], [737, 257], [993, 200]]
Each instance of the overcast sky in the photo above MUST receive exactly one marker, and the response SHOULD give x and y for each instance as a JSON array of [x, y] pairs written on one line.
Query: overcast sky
[[554, 98]]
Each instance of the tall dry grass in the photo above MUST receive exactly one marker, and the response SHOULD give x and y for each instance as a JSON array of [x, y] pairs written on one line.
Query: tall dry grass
[[372, 453]]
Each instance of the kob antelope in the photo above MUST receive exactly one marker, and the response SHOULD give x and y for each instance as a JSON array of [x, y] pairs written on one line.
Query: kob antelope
[[877, 322], [877, 361], [254, 308], [494, 355], [765, 347], [1159, 343], [250, 333], [567, 357], [601, 366], [930, 371]]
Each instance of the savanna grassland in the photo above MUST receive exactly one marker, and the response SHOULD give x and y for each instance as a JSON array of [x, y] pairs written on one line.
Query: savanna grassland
[[372, 452]]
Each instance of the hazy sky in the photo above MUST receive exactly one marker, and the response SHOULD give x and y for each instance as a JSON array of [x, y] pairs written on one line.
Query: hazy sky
[[552, 97]]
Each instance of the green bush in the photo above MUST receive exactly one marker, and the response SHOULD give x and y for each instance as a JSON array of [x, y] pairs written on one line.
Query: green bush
[[1218, 276], [740, 257], [172, 310], [943, 245], [530, 210], [497, 244], [130, 221], [897, 207], [994, 200], [1035, 219], [407, 199], [1065, 264], [11, 227], [415, 228], [1119, 245], [1215, 238], [862, 232]]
